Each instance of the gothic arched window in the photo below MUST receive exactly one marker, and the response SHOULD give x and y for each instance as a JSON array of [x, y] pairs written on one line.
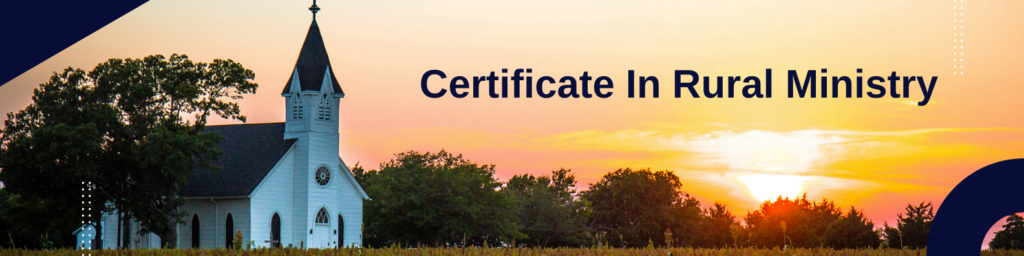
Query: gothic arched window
[[229, 230], [324, 112], [322, 217], [275, 231], [195, 231]]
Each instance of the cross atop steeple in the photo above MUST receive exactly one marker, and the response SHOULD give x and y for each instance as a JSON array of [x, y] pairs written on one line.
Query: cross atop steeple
[[314, 9]]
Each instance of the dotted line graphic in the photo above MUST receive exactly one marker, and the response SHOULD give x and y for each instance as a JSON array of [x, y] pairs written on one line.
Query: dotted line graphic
[[958, 37], [87, 214]]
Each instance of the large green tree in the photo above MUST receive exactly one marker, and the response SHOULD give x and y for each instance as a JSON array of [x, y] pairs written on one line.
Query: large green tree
[[637, 207], [548, 209], [436, 199], [1012, 235], [49, 150], [911, 228], [132, 128]]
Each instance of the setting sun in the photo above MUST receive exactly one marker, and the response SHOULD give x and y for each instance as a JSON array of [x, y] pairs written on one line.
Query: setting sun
[[766, 187]]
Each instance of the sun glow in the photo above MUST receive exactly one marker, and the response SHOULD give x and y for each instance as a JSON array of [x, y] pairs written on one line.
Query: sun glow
[[767, 187]]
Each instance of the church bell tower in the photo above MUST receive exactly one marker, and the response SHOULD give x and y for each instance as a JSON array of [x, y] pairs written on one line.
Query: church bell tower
[[312, 91], [311, 96]]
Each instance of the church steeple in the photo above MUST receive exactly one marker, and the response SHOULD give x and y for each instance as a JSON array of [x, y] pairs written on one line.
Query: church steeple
[[313, 64]]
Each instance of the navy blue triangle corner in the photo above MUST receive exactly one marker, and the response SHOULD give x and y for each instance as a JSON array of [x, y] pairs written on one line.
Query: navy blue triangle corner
[[33, 31]]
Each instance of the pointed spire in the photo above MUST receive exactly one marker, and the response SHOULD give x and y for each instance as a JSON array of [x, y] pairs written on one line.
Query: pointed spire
[[313, 64], [314, 9]]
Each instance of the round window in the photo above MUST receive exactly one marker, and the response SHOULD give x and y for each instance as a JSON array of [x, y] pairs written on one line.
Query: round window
[[323, 176]]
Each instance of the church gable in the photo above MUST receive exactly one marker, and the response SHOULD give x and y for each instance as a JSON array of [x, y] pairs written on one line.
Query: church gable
[[250, 152]]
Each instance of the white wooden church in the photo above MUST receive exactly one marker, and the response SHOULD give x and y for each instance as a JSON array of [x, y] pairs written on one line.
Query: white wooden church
[[282, 183]]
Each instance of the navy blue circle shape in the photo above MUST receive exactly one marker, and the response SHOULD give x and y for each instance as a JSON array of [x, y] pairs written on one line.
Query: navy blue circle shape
[[974, 205]]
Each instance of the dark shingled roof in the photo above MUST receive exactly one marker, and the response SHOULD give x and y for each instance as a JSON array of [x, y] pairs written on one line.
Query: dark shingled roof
[[312, 63], [250, 151]]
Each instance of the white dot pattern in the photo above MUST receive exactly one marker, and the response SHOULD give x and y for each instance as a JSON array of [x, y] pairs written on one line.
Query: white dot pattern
[[87, 188]]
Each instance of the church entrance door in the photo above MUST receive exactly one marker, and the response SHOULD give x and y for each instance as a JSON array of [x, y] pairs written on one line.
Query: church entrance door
[[321, 236], [321, 230]]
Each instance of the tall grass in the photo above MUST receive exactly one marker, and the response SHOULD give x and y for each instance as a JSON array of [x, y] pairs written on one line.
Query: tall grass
[[492, 251]]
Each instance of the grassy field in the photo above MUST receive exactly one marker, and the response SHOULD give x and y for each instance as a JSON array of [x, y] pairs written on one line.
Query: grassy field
[[488, 252]]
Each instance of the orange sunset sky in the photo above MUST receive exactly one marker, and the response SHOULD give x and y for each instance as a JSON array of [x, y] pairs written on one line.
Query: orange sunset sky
[[875, 154]]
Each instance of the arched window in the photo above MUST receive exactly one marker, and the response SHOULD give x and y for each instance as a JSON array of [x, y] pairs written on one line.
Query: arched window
[[195, 231], [324, 111], [296, 106], [341, 231], [322, 217], [275, 231], [229, 229]]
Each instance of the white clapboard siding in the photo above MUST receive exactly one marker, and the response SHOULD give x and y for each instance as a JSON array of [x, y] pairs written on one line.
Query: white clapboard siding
[[273, 195], [351, 199], [213, 214], [323, 152]]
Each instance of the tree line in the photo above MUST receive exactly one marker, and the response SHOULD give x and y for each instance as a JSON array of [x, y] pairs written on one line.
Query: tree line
[[443, 199]]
